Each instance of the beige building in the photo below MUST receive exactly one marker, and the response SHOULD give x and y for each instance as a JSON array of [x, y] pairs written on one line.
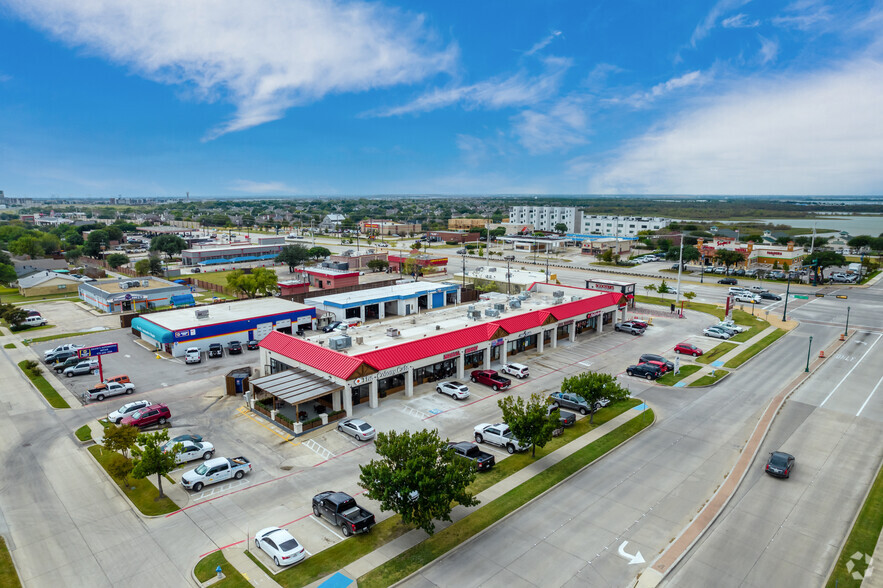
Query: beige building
[[465, 224], [45, 283], [388, 227]]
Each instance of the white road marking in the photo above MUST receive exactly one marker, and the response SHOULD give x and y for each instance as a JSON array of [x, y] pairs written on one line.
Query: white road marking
[[850, 371], [880, 381], [319, 521]]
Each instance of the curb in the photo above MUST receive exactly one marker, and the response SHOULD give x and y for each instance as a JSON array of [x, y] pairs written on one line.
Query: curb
[[662, 575], [530, 502]]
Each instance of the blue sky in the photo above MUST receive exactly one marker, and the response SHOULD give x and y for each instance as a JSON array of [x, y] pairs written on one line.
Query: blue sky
[[290, 97]]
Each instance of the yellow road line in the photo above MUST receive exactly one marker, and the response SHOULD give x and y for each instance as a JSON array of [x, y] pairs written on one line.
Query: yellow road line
[[247, 413]]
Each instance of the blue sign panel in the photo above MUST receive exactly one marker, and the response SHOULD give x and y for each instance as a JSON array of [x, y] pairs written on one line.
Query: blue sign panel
[[99, 350]]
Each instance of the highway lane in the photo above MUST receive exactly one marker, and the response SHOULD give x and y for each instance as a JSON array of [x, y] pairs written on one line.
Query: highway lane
[[644, 493], [790, 531]]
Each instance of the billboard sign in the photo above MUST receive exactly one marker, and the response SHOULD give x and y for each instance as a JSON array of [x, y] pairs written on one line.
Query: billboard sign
[[98, 350]]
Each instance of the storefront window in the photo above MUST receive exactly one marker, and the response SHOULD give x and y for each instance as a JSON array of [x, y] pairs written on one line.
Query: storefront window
[[278, 366], [474, 359], [391, 384]]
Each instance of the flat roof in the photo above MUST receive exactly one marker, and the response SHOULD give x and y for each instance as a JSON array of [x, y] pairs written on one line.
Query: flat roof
[[498, 274], [113, 286], [185, 318], [399, 291], [230, 248], [327, 271], [605, 281]]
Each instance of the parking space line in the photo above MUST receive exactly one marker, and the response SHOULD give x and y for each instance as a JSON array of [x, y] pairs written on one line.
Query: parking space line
[[326, 527], [247, 413]]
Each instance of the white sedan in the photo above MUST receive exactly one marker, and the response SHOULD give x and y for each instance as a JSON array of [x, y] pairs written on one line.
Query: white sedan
[[191, 450], [716, 332], [357, 428], [453, 389], [117, 416], [280, 545]]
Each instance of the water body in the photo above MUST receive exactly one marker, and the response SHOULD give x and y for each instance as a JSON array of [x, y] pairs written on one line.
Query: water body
[[859, 224]]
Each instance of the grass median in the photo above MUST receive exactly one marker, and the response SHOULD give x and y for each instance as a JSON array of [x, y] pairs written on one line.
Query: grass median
[[862, 538], [716, 352], [205, 571], [8, 575], [84, 433], [9, 346], [754, 349], [33, 371], [447, 539], [337, 556], [59, 336], [141, 493], [670, 379], [708, 380]]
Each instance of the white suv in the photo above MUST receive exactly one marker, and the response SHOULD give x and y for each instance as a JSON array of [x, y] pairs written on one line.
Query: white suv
[[193, 355], [747, 297], [519, 370]]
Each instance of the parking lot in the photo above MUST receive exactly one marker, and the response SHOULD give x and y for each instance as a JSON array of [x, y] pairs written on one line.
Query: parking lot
[[67, 316]]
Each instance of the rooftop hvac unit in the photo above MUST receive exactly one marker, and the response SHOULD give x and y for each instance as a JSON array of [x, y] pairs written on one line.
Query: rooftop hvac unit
[[360, 340], [124, 285], [491, 312], [491, 269], [340, 342], [499, 306], [202, 313], [470, 308], [515, 304], [557, 300], [391, 332], [558, 293], [145, 283], [574, 298]]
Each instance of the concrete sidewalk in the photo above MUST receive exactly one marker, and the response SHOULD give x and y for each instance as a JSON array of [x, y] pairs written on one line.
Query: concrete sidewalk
[[723, 359]]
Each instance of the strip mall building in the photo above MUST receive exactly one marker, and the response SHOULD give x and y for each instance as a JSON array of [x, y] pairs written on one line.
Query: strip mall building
[[382, 359]]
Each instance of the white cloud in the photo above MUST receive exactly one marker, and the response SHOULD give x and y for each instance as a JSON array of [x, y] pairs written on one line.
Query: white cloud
[[740, 21], [769, 50], [804, 15], [264, 57], [5, 78], [543, 43], [519, 89], [559, 128], [644, 99], [818, 133], [710, 21], [251, 187]]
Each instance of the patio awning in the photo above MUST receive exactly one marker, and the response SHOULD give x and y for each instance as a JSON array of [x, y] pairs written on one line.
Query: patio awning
[[295, 385]]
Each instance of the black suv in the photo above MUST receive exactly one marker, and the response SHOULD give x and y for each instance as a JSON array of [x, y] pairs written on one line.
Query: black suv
[[644, 370], [653, 357], [215, 350], [730, 281], [252, 344], [234, 348], [63, 365], [60, 356], [330, 327]]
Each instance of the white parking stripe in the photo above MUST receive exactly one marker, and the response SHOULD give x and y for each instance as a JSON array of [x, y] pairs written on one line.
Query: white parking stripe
[[315, 518], [850, 371], [880, 381]]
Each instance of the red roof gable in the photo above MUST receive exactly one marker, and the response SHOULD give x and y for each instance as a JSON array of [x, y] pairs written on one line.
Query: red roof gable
[[403, 353], [585, 306], [522, 322], [318, 357]]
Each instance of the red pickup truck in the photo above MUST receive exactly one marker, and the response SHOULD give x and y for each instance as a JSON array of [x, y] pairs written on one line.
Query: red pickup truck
[[490, 378]]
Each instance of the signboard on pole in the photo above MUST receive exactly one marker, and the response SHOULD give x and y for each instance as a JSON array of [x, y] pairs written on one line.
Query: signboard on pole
[[98, 351]]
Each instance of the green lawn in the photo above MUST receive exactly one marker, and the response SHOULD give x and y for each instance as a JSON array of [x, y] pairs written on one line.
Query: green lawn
[[11, 296], [715, 352], [708, 380], [437, 545], [205, 571], [49, 393], [145, 496], [84, 433], [8, 575], [862, 538], [754, 349], [688, 305], [9, 346], [219, 278], [59, 336], [670, 379]]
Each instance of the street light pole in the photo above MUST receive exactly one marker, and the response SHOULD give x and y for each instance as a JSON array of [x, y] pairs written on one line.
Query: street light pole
[[808, 353], [846, 328], [702, 270], [463, 253], [509, 259], [787, 292]]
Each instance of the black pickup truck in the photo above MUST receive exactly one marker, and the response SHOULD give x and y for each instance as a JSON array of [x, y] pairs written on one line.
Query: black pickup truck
[[342, 511], [466, 450]]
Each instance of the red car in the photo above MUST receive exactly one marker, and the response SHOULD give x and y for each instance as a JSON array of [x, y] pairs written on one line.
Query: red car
[[688, 349], [155, 414], [659, 364], [641, 324]]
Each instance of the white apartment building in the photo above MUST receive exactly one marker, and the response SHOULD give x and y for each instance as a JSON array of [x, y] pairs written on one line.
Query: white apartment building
[[620, 226], [544, 218]]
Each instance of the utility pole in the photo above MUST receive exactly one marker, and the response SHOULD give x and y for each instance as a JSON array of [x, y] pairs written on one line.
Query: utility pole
[[680, 268], [787, 291]]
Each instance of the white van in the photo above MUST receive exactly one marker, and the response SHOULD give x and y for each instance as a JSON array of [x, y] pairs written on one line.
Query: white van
[[34, 321]]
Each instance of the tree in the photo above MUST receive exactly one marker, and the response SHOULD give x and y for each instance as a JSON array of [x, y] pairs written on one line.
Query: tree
[[15, 316], [593, 386], [73, 255], [498, 232], [120, 438], [7, 274], [417, 477], [529, 420], [378, 265], [319, 252], [859, 241], [171, 245], [95, 243], [607, 256], [663, 288], [27, 245], [152, 459], [650, 288], [689, 295], [293, 256], [690, 254], [259, 281], [49, 243], [119, 467], [116, 260], [663, 244], [728, 258], [560, 228], [826, 259], [142, 267]]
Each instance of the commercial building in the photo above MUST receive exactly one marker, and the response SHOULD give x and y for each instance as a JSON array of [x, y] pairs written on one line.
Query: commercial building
[[595, 245], [627, 289], [426, 263], [545, 218], [42, 283], [454, 236], [764, 255], [371, 362], [357, 261], [266, 248], [174, 331], [134, 294], [466, 224], [388, 227], [402, 299], [532, 244], [512, 282], [328, 278], [620, 226]]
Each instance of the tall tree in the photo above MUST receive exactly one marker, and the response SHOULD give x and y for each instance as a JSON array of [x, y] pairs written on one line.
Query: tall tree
[[560, 228], [7, 274], [152, 459], [116, 260], [592, 387], [120, 438], [259, 281], [728, 258], [293, 256], [529, 420], [142, 267], [27, 245], [417, 477], [95, 243], [171, 245], [826, 259], [319, 252]]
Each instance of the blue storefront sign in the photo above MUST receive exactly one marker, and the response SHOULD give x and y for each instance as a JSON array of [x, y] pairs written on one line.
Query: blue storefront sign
[[97, 350]]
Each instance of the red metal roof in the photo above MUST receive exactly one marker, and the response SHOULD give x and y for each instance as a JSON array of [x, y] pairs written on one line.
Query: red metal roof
[[329, 361], [404, 353], [585, 306], [522, 322]]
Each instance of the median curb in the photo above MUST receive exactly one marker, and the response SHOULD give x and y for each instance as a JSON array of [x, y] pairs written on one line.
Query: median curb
[[695, 530]]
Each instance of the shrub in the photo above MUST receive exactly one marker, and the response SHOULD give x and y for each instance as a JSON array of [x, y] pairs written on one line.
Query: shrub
[[32, 367]]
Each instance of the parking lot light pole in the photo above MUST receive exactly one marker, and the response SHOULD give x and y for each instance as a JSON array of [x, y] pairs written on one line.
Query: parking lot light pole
[[509, 259], [787, 292], [808, 353], [463, 253], [846, 328]]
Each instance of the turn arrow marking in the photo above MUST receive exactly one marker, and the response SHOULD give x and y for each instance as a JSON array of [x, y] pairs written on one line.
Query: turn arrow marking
[[633, 559]]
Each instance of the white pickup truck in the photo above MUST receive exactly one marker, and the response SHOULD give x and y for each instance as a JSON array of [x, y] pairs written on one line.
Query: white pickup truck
[[499, 435], [214, 471], [108, 389]]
